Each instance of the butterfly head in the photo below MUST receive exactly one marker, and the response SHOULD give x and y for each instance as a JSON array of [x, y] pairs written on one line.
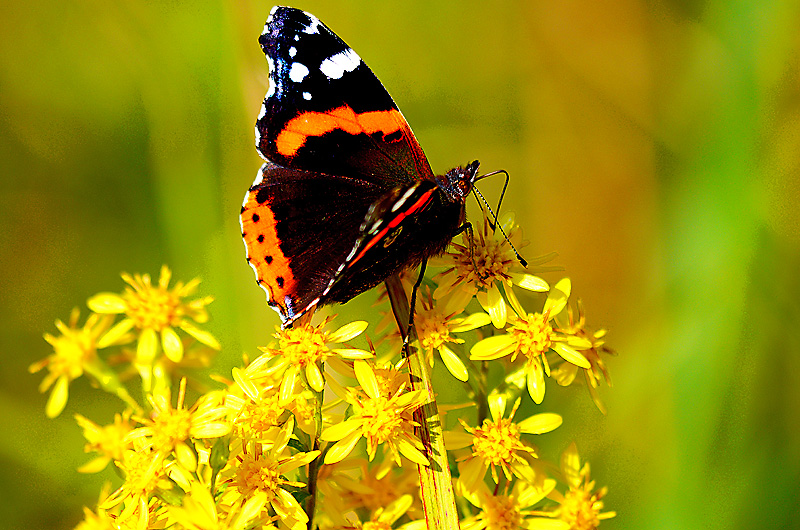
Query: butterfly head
[[457, 183]]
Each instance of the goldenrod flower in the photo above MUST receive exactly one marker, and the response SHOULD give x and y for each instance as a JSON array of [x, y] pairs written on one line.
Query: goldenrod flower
[[436, 323], [593, 343], [533, 335], [378, 417], [74, 351], [145, 472], [306, 347], [258, 469], [200, 512], [511, 510], [498, 443], [496, 264], [580, 507], [111, 441], [260, 409], [154, 311], [385, 517], [169, 429]]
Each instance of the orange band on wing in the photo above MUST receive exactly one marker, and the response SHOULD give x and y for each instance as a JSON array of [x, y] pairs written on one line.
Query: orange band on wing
[[299, 128], [264, 251]]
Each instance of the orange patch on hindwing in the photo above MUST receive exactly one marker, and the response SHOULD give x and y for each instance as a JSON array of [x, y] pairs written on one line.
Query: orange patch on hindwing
[[298, 129], [259, 230]]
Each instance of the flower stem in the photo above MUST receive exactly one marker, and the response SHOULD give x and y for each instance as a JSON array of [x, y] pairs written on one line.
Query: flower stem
[[436, 486]]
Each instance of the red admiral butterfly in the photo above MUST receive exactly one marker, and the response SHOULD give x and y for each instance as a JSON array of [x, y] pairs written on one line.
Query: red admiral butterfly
[[346, 197]]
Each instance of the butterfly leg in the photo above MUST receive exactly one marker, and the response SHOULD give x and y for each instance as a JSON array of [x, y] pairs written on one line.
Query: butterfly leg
[[414, 302], [467, 227]]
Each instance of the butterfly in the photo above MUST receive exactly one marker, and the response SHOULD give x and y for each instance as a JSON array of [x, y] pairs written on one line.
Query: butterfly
[[346, 196]]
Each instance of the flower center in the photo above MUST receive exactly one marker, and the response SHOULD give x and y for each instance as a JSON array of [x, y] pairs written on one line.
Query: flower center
[[140, 473], [492, 259], [501, 513], [533, 333], [303, 345], [432, 329], [260, 416], [258, 474], [579, 510], [153, 308], [170, 427], [496, 442], [381, 420]]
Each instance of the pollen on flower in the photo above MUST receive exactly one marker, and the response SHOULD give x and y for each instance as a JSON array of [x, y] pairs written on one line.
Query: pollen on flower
[[502, 513], [533, 333], [581, 509], [432, 329], [256, 474], [381, 420], [303, 345], [496, 442], [493, 259], [171, 426]]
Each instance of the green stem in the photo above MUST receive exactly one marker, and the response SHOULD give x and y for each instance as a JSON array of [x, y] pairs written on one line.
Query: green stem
[[436, 486]]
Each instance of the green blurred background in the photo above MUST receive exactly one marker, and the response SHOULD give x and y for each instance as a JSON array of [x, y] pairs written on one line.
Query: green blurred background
[[654, 145]]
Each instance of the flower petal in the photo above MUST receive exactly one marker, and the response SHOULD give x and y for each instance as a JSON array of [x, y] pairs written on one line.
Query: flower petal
[[341, 430], [342, 448], [173, 347], [493, 347], [536, 382], [108, 303], [314, 377], [529, 282], [58, 397], [244, 382], [366, 378], [473, 321], [557, 299], [453, 363], [408, 450], [201, 335], [493, 303], [115, 333], [348, 331], [570, 355], [540, 423], [148, 346], [454, 440], [352, 353]]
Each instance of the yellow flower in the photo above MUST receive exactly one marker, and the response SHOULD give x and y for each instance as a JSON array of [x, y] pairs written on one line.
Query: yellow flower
[[533, 335], [496, 263], [154, 311], [511, 510], [263, 468], [110, 441], [593, 345], [304, 348], [580, 507], [385, 517], [200, 512], [259, 411], [74, 351], [498, 443], [145, 472], [169, 429], [380, 418], [354, 484], [435, 323]]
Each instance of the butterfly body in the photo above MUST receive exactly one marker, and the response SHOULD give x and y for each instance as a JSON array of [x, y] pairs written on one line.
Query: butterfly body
[[346, 196]]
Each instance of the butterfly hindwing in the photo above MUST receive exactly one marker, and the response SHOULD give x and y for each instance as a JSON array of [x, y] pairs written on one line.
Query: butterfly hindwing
[[298, 235], [326, 111]]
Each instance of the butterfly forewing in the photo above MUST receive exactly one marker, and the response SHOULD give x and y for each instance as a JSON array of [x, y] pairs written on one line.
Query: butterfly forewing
[[326, 111]]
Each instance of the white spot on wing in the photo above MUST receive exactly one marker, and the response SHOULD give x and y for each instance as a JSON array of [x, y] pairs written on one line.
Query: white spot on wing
[[306, 96], [403, 199], [313, 27], [298, 72], [335, 66], [292, 51], [271, 89]]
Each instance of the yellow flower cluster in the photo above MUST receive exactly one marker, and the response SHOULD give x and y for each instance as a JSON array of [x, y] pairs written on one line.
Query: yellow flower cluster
[[279, 444]]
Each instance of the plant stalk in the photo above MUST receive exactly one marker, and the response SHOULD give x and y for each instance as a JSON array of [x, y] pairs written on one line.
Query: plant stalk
[[436, 485]]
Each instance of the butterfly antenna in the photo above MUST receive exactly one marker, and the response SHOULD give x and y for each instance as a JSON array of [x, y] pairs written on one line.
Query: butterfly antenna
[[494, 225]]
